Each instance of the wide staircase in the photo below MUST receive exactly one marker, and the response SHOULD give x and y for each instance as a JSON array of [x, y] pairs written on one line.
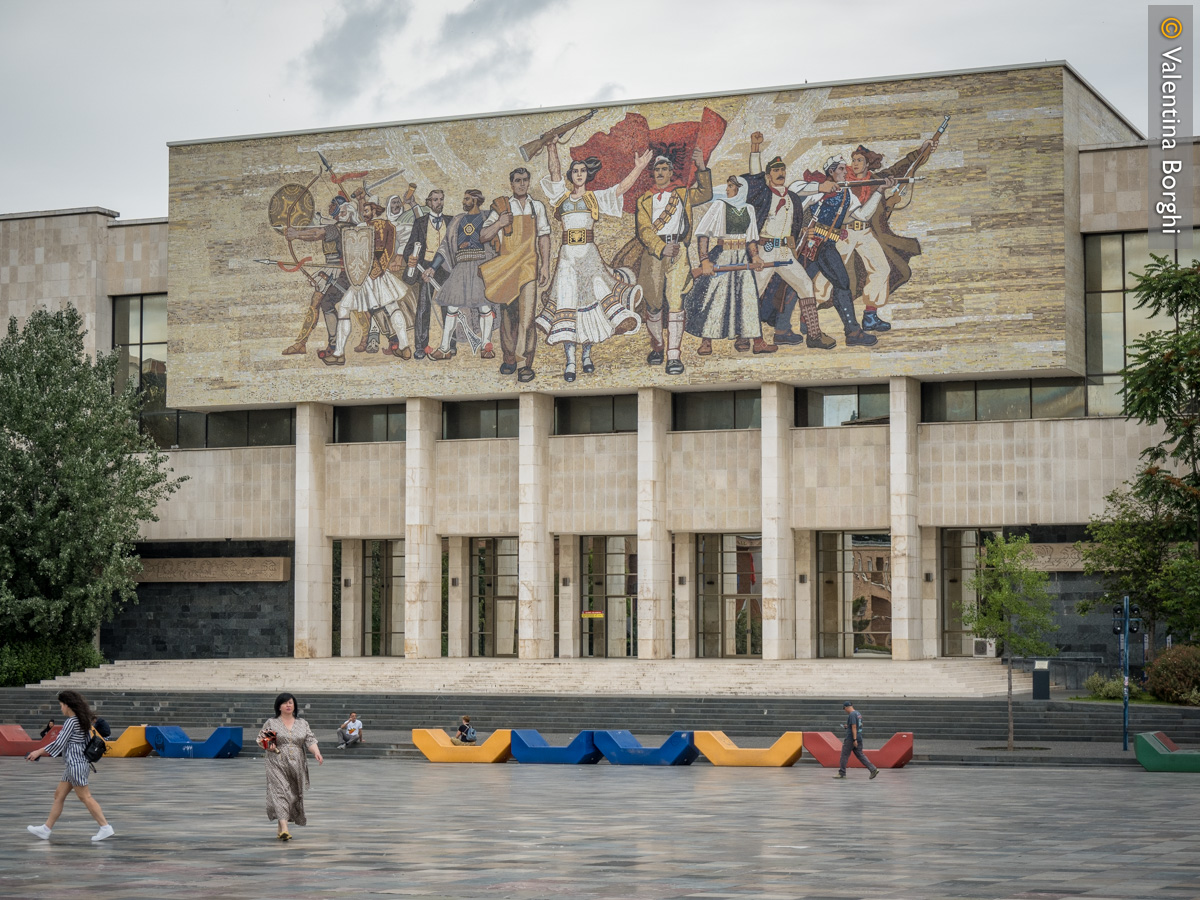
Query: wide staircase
[[389, 716], [961, 678]]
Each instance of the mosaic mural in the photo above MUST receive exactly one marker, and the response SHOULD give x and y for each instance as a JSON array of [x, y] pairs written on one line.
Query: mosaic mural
[[865, 230]]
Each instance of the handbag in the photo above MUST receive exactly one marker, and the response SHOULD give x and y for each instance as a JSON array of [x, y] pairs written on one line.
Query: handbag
[[94, 748], [268, 740]]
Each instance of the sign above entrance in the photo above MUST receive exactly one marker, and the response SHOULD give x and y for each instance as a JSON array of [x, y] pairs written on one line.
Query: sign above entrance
[[592, 614], [244, 568]]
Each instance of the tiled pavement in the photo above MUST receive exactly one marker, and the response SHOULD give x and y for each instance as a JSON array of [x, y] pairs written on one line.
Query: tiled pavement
[[400, 828]]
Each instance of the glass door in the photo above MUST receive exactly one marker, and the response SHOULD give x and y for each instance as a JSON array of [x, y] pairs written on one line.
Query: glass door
[[608, 573], [729, 595], [383, 598], [494, 589], [855, 596]]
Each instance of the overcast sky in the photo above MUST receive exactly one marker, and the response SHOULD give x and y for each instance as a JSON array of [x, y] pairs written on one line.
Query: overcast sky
[[94, 89]]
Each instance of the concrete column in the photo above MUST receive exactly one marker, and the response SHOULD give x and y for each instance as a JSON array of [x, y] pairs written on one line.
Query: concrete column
[[422, 547], [778, 545], [806, 594], [907, 619], [352, 599], [535, 625], [569, 624], [685, 595], [654, 546], [459, 598], [313, 635]]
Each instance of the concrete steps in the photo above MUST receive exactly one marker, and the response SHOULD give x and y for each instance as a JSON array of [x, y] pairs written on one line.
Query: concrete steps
[[963, 678], [393, 715]]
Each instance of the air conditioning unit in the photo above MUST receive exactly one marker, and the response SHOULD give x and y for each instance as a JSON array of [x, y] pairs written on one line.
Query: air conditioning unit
[[984, 649]]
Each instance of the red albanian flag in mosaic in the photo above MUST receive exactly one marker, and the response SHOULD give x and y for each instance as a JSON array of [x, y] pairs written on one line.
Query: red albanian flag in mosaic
[[632, 135]]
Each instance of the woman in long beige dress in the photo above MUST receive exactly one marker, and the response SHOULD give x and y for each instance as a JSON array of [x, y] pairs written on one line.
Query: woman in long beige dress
[[287, 764]]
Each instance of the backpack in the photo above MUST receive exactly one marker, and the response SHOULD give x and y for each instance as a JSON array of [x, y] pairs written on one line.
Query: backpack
[[94, 748], [469, 737]]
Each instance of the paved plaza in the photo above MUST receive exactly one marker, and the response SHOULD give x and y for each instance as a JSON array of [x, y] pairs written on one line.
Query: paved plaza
[[389, 828]]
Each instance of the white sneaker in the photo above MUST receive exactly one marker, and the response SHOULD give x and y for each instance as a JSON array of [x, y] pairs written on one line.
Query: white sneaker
[[106, 831], [341, 746], [39, 830]]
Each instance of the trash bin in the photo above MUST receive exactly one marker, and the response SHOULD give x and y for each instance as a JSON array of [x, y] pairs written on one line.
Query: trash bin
[[1041, 679]]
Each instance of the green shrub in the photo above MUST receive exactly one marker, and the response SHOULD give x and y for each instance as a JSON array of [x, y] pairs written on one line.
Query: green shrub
[[1175, 674], [26, 662], [1110, 688], [1192, 699]]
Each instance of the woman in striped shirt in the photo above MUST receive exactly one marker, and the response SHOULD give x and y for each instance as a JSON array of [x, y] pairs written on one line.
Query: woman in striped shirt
[[69, 744]]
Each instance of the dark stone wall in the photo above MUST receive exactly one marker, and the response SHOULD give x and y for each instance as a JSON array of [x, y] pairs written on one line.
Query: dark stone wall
[[206, 621], [1086, 644]]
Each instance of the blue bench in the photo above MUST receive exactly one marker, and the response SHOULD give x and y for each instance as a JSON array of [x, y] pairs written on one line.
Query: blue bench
[[528, 746], [173, 742], [622, 749]]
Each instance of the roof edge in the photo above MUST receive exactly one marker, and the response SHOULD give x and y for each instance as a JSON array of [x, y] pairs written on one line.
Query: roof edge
[[50, 213]]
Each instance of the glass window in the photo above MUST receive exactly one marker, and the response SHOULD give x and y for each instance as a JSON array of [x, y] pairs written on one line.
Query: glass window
[[154, 319], [948, 401], [1137, 254], [270, 428], [367, 424], [162, 427], [1058, 398], [996, 400], [747, 409], [359, 424], [583, 415], [625, 412], [397, 423], [1103, 262], [1105, 333], [474, 419], [874, 401], [192, 430], [702, 411], [1104, 395], [227, 429], [121, 320], [508, 418], [716, 410]]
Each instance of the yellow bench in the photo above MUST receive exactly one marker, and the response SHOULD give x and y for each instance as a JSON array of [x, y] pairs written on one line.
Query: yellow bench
[[721, 751], [437, 747], [132, 742]]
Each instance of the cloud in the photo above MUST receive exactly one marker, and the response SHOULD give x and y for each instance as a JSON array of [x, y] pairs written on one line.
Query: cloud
[[344, 60], [483, 18], [610, 90]]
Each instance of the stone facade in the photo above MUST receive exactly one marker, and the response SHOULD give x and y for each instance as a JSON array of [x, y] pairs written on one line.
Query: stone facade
[[995, 293]]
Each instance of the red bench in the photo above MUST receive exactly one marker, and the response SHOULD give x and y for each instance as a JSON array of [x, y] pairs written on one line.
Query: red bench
[[14, 741], [826, 748]]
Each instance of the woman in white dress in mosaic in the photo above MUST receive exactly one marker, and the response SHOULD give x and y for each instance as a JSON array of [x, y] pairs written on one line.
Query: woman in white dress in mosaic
[[724, 305], [587, 302], [286, 738], [69, 744]]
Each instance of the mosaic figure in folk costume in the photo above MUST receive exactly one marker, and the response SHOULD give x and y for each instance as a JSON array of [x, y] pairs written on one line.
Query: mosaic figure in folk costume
[[713, 265]]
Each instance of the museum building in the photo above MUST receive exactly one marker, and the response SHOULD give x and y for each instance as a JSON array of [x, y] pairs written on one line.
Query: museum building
[[803, 482]]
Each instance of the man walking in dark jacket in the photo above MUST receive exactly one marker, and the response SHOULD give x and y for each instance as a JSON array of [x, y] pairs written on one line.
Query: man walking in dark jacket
[[853, 742]]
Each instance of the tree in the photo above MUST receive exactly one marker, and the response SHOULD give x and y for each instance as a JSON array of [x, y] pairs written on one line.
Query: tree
[[1136, 547], [1012, 606], [77, 477], [1162, 382]]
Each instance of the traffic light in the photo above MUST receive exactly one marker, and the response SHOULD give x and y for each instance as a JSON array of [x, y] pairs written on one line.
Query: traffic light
[[1118, 612], [1135, 620]]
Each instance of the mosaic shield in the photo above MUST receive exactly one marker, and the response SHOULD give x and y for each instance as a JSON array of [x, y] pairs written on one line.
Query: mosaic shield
[[358, 252]]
